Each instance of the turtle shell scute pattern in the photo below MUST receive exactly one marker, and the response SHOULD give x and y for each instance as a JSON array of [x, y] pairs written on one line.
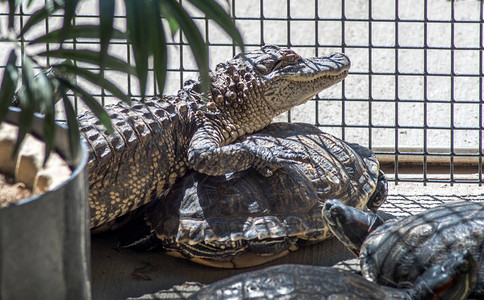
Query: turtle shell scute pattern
[[296, 282], [398, 251], [246, 208]]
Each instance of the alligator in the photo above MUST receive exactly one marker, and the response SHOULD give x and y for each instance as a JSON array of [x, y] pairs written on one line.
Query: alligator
[[157, 141]]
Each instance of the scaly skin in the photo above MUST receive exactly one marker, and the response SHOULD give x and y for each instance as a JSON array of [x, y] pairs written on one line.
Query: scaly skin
[[153, 145], [140, 160]]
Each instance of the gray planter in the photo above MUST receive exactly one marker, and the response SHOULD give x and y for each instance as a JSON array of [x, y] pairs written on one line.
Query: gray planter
[[45, 240]]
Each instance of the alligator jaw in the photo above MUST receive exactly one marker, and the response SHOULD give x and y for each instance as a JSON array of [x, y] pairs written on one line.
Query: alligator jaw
[[294, 84], [313, 87]]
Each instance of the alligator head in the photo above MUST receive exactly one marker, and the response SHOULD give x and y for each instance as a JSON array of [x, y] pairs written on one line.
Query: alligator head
[[266, 82], [288, 79]]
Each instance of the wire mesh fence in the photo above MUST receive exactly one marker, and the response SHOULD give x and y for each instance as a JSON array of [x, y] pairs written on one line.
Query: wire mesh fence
[[414, 92]]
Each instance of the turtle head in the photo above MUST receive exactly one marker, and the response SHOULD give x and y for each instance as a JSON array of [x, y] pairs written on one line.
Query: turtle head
[[350, 225], [453, 278]]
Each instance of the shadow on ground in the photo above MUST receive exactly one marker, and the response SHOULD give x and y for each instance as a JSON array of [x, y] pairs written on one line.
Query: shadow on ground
[[118, 274]]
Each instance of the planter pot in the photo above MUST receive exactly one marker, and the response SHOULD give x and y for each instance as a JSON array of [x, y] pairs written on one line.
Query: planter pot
[[45, 239]]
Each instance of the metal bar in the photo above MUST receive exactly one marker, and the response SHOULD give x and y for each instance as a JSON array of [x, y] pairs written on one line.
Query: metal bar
[[481, 107], [235, 22], [343, 94], [397, 20], [288, 28], [182, 67], [81, 41], [362, 20], [452, 95], [316, 52], [370, 76], [425, 131]]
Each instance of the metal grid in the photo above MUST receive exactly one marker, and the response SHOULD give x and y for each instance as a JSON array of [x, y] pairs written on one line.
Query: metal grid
[[414, 93]]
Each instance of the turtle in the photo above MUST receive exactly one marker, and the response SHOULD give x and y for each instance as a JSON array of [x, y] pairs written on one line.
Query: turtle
[[451, 279], [243, 219], [396, 251]]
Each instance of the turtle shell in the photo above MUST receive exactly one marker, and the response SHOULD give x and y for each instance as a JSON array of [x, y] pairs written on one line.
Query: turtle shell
[[297, 282], [448, 280], [214, 220], [398, 251]]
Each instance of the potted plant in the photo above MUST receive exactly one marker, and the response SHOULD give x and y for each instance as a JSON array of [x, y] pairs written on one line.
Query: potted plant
[[44, 239]]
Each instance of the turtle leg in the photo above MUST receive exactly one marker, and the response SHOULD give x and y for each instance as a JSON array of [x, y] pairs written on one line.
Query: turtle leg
[[138, 236], [454, 278]]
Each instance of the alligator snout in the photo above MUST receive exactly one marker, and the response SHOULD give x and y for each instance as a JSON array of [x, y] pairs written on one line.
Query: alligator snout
[[340, 59]]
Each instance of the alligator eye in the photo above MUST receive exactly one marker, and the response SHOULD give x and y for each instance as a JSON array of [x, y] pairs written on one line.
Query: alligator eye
[[266, 66], [262, 69], [290, 57]]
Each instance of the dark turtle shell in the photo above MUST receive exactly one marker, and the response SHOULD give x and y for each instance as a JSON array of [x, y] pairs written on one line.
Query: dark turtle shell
[[398, 251], [449, 280], [214, 220]]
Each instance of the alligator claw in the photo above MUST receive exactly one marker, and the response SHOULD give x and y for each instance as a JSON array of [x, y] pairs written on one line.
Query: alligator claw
[[270, 159], [266, 172]]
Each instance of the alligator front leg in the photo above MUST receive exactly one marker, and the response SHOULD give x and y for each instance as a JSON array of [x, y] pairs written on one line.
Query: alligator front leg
[[208, 155]]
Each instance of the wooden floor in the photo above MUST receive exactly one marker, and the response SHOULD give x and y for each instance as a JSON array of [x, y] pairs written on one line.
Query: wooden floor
[[122, 274]]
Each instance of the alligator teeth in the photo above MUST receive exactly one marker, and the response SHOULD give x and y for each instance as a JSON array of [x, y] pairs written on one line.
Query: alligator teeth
[[325, 76]]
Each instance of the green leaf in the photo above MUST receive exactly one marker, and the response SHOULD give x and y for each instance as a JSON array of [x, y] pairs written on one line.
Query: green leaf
[[172, 24], [215, 12], [139, 37], [158, 42], [45, 94], [70, 7], [94, 78], [28, 101], [72, 125], [193, 36], [77, 31], [106, 15], [91, 57], [93, 105], [55, 71], [9, 83], [41, 15]]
